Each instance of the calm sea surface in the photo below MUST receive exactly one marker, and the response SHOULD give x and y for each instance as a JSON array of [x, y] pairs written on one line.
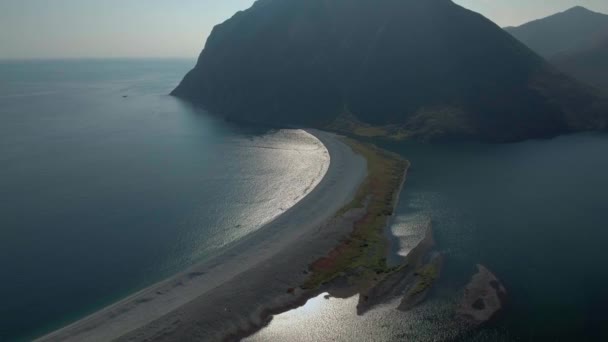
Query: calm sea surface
[[108, 185], [535, 213]]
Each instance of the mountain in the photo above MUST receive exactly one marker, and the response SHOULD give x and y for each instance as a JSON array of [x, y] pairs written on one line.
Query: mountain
[[563, 33], [428, 69], [576, 41], [588, 64]]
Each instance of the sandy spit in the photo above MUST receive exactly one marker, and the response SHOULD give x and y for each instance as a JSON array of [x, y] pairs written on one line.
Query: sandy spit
[[233, 292]]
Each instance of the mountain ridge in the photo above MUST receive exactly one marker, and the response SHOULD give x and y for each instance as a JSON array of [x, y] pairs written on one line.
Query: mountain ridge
[[575, 41], [562, 32]]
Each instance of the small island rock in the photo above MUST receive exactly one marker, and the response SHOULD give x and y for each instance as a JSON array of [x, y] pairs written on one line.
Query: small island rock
[[484, 296]]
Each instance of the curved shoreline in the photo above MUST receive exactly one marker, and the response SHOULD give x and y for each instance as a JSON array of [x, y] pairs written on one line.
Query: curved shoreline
[[300, 233]]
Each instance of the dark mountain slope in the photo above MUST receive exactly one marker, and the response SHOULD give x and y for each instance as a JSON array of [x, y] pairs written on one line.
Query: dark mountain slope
[[576, 41], [565, 32], [430, 67], [589, 65]]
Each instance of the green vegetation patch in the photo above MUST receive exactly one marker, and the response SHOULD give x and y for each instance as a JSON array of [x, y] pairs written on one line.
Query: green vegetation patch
[[347, 124], [425, 124], [426, 275], [363, 253]]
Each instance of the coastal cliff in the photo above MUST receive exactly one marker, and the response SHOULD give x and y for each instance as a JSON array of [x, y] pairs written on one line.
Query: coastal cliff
[[422, 69]]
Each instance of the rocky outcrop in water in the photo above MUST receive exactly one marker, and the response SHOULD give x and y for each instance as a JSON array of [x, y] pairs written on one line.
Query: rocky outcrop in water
[[411, 282], [483, 298]]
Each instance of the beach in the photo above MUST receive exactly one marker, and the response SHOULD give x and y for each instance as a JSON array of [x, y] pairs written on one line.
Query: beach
[[235, 291]]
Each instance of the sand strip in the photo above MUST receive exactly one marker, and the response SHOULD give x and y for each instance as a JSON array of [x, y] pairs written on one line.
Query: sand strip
[[229, 293]]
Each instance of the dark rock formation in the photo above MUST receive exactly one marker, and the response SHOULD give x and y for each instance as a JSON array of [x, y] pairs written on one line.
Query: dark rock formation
[[484, 296]]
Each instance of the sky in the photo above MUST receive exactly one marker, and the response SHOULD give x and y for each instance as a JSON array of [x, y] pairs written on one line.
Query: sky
[[172, 28]]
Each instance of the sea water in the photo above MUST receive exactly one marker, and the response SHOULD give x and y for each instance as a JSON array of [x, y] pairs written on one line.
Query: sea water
[[108, 185]]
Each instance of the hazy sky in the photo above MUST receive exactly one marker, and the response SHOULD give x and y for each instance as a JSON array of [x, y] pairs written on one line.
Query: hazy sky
[[171, 28]]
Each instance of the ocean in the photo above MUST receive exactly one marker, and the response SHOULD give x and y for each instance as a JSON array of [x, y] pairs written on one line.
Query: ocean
[[108, 185], [535, 214]]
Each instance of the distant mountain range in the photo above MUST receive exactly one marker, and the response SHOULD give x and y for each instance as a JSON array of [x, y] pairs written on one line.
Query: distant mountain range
[[576, 41], [426, 69]]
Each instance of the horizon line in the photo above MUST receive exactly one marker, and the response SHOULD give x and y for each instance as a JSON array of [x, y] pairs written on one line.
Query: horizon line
[[34, 59]]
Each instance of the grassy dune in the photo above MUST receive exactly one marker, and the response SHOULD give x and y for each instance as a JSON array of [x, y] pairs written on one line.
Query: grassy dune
[[362, 254]]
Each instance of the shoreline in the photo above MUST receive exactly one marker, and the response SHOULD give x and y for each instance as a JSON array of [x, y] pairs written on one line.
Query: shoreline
[[143, 313], [350, 244]]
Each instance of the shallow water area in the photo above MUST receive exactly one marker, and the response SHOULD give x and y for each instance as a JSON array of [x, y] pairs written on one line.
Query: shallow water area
[[324, 318]]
